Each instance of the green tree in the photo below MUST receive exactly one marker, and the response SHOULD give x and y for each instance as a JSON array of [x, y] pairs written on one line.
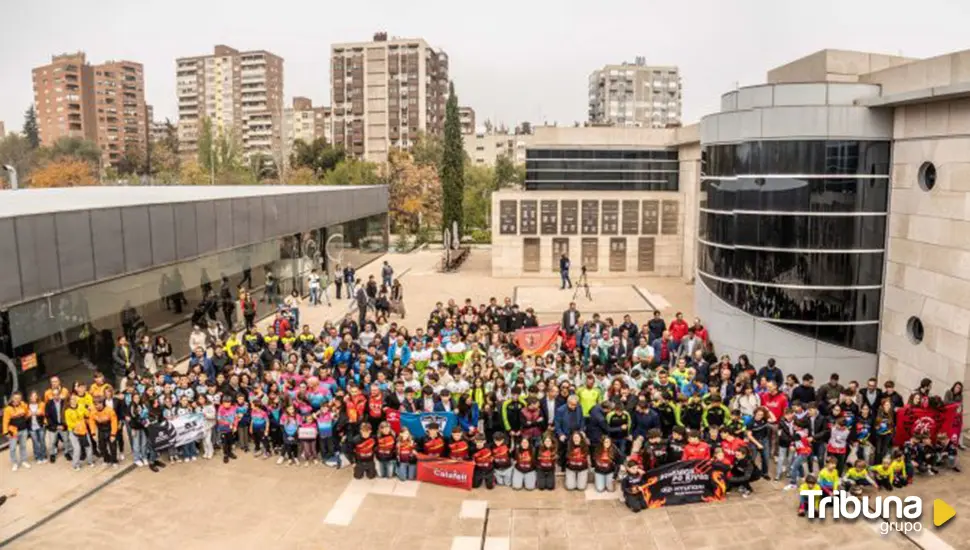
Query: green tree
[[427, 150], [68, 147], [31, 132], [132, 161], [163, 157], [507, 173], [191, 173], [452, 170], [206, 143], [16, 151], [352, 172], [318, 155], [479, 185], [263, 167]]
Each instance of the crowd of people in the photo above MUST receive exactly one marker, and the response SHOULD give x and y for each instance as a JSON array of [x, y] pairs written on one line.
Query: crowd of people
[[610, 400]]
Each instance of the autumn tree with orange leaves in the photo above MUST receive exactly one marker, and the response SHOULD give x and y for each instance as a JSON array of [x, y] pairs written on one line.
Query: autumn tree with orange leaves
[[415, 192], [66, 172]]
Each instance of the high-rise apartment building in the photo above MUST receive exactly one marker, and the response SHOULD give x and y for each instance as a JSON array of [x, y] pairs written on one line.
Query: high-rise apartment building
[[466, 117], [241, 93], [103, 103], [63, 97], [635, 94], [384, 92], [119, 102], [305, 122]]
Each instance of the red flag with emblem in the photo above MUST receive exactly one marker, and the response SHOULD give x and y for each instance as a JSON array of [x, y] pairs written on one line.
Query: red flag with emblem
[[538, 340]]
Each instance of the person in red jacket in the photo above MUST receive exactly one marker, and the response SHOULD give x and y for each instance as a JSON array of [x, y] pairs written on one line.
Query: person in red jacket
[[695, 448], [700, 330], [732, 442], [457, 446], [375, 407], [356, 404], [484, 464], [776, 402], [678, 328], [433, 444], [364, 447]]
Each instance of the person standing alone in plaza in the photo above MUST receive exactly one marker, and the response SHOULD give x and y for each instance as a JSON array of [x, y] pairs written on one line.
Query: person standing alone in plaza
[[387, 274], [564, 272]]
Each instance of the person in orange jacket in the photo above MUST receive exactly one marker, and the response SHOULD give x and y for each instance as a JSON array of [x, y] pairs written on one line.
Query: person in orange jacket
[[103, 424], [16, 421]]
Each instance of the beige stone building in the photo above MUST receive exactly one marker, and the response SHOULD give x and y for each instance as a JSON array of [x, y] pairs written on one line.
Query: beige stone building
[[485, 148], [880, 281], [636, 94], [103, 103], [466, 117], [385, 92], [615, 199], [239, 92]]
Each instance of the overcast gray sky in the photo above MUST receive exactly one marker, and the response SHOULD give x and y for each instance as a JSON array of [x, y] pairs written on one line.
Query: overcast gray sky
[[511, 60]]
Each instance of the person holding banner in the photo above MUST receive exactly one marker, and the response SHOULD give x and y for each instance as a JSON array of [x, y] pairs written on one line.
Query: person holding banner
[[363, 448], [407, 456]]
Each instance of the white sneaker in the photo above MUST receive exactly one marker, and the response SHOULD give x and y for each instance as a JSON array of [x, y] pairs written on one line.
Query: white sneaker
[[114, 466], [92, 464], [194, 458], [279, 460], [15, 467], [26, 465], [789, 487], [138, 463], [121, 458]]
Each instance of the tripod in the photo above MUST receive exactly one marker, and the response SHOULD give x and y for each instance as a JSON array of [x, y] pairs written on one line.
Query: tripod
[[583, 284]]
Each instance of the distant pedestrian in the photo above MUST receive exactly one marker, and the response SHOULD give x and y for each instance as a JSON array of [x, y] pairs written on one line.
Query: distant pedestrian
[[387, 274]]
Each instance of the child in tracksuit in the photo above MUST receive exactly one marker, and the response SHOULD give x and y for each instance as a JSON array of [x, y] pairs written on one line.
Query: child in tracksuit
[[632, 486], [856, 477], [386, 454], [208, 426], [883, 474], [810, 484], [828, 477], [290, 426], [945, 453], [307, 435], [259, 429], [326, 432], [226, 426], [242, 411]]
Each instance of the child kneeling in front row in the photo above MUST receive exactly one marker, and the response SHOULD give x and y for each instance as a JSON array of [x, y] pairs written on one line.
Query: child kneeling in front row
[[632, 486], [810, 484]]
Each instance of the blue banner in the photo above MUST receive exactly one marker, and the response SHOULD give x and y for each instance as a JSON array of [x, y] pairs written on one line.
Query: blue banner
[[417, 422]]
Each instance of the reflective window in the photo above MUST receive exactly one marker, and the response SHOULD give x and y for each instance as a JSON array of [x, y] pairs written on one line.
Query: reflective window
[[602, 169], [809, 307], [792, 268], [786, 231], [781, 194], [799, 157]]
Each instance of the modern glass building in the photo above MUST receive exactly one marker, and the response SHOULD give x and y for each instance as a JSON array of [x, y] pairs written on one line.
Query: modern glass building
[[83, 266], [793, 224], [601, 169]]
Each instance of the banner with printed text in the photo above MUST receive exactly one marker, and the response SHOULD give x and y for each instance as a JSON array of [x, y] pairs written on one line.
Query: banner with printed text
[[685, 482], [927, 420], [176, 432], [447, 472]]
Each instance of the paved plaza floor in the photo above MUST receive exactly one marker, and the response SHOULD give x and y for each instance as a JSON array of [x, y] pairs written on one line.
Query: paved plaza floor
[[253, 503]]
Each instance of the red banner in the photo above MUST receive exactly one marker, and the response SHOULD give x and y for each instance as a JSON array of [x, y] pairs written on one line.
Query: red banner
[[447, 472], [538, 340], [393, 417], [920, 420]]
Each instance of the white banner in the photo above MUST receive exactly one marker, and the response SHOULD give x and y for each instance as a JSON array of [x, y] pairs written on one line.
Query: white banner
[[177, 432]]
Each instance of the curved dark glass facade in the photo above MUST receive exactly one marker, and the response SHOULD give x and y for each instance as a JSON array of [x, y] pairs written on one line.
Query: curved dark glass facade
[[794, 232]]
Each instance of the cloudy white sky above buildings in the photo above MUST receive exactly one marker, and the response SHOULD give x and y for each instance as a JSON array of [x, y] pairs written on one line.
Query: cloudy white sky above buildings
[[511, 60]]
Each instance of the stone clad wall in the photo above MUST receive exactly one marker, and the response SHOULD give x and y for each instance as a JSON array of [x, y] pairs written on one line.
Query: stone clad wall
[[928, 268]]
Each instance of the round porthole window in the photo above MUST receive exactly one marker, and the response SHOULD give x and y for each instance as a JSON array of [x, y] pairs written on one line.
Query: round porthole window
[[914, 329], [927, 176]]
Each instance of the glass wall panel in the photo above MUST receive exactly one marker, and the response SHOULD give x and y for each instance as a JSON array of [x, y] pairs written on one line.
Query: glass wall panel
[[787, 231], [793, 268], [789, 194]]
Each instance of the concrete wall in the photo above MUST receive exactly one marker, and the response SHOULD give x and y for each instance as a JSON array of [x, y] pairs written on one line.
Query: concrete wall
[[796, 112], [928, 270], [938, 71], [833, 66], [736, 332]]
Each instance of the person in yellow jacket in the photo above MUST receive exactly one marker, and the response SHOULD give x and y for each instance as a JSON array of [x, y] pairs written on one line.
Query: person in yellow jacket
[[84, 398], [99, 386], [231, 344], [103, 423], [76, 418], [16, 421]]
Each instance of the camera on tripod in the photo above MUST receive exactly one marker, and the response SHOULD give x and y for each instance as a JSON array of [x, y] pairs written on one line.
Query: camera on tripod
[[583, 284]]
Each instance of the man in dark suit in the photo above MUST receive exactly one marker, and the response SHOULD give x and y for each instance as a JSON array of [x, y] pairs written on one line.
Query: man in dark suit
[[570, 318], [548, 406], [872, 395]]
